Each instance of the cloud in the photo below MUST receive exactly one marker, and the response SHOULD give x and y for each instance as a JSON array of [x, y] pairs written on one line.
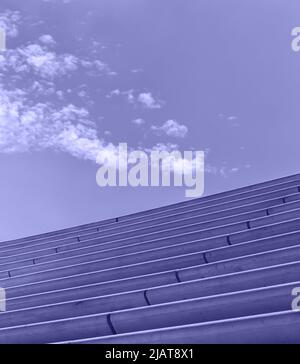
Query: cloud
[[138, 121], [47, 39], [45, 63], [148, 101], [138, 99], [112, 93], [27, 127], [230, 118], [9, 21], [136, 70], [29, 119], [171, 128]]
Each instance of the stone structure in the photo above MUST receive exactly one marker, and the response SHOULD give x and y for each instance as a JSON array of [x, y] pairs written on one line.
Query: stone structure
[[220, 269]]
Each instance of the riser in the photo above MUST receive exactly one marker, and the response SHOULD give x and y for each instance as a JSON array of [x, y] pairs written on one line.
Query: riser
[[253, 302], [276, 184], [56, 288], [254, 261], [196, 224], [127, 259], [206, 201], [156, 266], [250, 279], [189, 246], [60, 234], [274, 206], [72, 309], [33, 248], [264, 220], [110, 258], [100, 253], [252, 247], [278, 328], [192, 232], [64, 240], [109, 264], [137, 252], [111, 237], [175, 239], [189, 226], [172, 313], [211, 256], [157, 293], [50, 251], [209, 210], [55, 330], [91, 259], [97, 276]]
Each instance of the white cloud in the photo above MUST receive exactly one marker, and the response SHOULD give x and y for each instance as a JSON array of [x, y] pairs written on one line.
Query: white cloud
[[9, 21], [148, 101], [112, 93], [133, 97], [230, 118], [29, 119], [47, 39], [34, 58], [25, 127], [32, 121], [171, 128], [138, 121], [136, 70]]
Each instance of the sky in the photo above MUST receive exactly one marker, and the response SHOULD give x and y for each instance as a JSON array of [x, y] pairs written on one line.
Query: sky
[[79, 77]]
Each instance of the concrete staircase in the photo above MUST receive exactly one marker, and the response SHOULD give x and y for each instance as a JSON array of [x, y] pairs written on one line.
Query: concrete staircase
[[220, 269]]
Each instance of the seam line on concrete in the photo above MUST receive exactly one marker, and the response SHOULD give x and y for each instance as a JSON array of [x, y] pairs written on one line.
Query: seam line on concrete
[[9, 275], [268, 212], [177, 276], [146, 298], [248, 225], [205, 258], [33, 261], [111, 326], [56, 250], [78, 239]]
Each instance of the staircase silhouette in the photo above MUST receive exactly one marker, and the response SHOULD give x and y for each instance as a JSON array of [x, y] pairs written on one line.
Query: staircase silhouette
[[219, 269]]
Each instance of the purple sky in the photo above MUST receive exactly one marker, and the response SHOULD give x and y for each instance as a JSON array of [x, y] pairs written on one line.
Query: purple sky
[[82, 73]]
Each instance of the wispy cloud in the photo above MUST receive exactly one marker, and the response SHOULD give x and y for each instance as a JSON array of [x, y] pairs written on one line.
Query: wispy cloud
[[171, 128]]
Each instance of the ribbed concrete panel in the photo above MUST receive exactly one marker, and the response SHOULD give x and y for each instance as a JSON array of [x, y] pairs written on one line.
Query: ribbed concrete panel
[[219, 269]]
